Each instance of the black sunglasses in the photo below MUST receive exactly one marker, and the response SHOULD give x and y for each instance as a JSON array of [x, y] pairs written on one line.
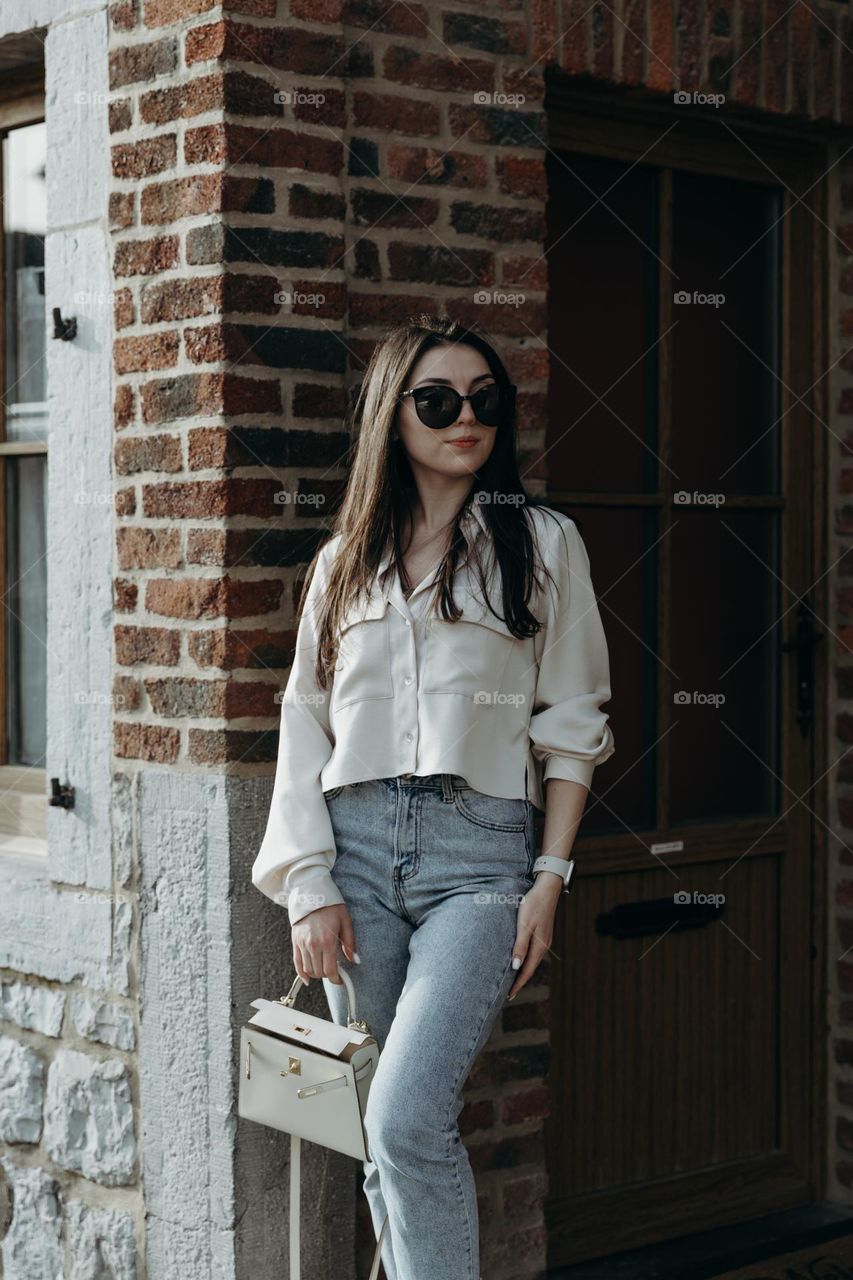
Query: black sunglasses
[[439, 407]]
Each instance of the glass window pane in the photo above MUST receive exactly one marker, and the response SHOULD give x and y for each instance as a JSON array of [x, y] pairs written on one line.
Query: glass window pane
[[724, 745], [602, 251], [23, 157], [26, 609], [725, 361]]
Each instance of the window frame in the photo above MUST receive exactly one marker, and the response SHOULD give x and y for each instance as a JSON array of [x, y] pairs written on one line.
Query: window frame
[[22, 103]]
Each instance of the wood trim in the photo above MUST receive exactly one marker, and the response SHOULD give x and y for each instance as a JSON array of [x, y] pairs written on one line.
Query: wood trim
[[629, 125], [669, 1200], [824, 159], [15, 448], [27, 109]]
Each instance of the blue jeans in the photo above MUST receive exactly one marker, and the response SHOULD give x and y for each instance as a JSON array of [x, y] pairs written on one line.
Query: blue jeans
[[432, 873]]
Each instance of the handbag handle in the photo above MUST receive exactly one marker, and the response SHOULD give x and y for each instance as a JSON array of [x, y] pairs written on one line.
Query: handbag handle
[[356, 1024]]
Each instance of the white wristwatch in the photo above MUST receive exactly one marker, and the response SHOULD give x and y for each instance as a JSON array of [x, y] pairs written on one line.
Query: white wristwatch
[[563, 867]]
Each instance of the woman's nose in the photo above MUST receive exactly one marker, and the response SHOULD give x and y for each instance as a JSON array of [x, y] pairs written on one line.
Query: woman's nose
[[466, 413]]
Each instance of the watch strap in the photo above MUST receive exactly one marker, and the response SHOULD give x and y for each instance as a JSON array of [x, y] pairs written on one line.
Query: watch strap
[[563, 867]]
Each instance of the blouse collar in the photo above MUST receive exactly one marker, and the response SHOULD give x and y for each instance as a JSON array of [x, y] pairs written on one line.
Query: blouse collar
[[473, 523]]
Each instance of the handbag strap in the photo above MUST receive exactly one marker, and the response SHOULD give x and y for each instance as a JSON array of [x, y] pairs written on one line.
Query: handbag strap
[[295, 1210]]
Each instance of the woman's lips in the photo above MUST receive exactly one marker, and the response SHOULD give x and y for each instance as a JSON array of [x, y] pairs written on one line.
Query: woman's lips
[[464, 442]]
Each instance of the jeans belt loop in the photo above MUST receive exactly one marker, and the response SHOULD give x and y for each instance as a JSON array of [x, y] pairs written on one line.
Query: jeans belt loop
[[447, 787]]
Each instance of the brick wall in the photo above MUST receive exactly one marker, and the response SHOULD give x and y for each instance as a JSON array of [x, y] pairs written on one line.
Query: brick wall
[[287, 179]]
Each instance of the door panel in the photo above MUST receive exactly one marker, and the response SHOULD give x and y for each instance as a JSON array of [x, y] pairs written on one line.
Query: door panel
[[682, 438]]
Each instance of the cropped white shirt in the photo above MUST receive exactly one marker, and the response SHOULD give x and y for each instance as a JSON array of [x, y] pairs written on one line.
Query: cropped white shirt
[[413, 693]]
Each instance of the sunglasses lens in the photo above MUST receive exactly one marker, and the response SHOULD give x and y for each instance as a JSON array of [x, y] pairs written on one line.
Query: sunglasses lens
[[488, 404], [437, 406]]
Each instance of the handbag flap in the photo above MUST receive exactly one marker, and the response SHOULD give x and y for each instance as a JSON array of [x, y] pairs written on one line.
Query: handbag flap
[[304, 1028]]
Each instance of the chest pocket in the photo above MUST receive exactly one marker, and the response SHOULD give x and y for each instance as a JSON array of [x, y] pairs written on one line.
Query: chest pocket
[[363, 667], [469, 657]]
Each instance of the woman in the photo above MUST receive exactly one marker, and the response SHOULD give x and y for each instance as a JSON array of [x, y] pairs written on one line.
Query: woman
[[448, 678]]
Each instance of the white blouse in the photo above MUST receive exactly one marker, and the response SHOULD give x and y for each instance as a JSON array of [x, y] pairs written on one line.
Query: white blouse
[[413, 693]]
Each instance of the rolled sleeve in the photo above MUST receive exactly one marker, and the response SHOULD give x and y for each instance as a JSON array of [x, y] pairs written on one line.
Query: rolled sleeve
[[294, 863], [569, 732]]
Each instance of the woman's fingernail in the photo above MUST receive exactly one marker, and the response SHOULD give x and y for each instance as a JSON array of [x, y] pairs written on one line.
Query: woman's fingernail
[[356, 957], [516, 962]]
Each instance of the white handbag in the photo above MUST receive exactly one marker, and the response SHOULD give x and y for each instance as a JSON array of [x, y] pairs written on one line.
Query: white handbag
[[310, 1078]]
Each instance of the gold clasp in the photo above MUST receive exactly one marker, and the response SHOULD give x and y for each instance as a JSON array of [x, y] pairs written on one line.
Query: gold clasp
[[294, 1067]]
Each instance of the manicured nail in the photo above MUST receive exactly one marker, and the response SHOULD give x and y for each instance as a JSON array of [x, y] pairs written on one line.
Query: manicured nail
[[516, 962], [356, 957]]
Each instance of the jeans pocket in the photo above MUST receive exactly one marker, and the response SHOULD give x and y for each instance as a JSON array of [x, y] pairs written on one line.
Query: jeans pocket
[[494, 813], [332, 794]]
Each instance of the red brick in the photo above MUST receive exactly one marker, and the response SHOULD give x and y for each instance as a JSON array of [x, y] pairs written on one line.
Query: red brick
[[153, 351], [167, 399], [138, 63], [121, 209], [141, 159], [436, 72], [147, 453], [430, 166], [285, 48], [143, 548], [151, 646], [233, 144], [395, 114], [231, 650], [146, 257], [196, 598], [155, 744], [123, 406], [205, 193], [124, 312]]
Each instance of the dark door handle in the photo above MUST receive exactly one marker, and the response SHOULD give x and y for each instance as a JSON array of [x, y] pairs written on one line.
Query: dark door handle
[[656, 916], [806, 638]]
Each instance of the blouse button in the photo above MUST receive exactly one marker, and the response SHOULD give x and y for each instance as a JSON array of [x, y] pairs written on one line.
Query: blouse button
[[408, 680], [409, 737]]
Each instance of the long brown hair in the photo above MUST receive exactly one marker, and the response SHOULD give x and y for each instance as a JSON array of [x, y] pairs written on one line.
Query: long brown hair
[[378, 500]]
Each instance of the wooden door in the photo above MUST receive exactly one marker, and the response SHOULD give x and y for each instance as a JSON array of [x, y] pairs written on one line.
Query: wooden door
[[686, 437]]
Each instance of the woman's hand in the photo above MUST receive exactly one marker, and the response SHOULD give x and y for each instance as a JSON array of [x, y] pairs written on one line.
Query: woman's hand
[[535, 927], [315, 943]]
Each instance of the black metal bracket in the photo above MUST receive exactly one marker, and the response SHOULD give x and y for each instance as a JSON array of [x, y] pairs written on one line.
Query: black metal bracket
[[64, 329], [61, 796]]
